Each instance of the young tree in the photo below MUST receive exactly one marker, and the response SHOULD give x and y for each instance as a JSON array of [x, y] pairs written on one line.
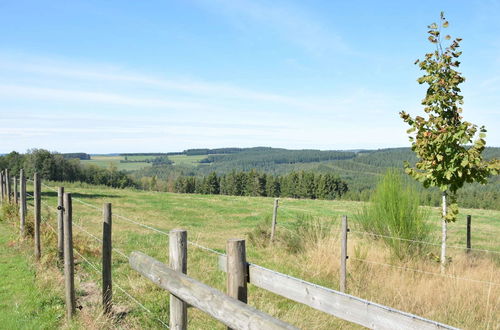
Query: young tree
[[448, 151]]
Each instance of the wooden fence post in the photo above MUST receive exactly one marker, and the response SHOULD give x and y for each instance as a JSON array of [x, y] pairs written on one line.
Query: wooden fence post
[[343, 255], [37, 197], [60, 224], [469, 219], [275, 216], [8, 186], [22, 207], [237, 269], [177, 252], [107, 248], [2, 192], [16, 190], [69, 267]]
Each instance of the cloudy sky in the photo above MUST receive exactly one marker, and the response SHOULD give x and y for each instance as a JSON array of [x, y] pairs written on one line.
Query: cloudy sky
[[144, 76]]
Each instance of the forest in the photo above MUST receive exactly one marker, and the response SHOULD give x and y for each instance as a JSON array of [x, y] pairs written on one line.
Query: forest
[[57, 167], [295, 185], [360, 170]]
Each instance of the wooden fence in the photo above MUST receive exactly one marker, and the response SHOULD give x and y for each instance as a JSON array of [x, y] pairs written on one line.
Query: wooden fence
[[231, 308]]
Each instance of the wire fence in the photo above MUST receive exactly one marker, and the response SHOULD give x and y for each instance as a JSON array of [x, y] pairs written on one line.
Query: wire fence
[[210, 250], [99, 271]]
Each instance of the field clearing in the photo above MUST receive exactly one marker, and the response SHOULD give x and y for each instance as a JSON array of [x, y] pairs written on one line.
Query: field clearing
[[186, 160], [211, 220], [107, 161]]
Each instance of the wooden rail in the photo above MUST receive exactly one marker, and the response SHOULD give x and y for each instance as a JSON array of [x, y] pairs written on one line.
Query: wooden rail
[[231, 312], [341, 305]]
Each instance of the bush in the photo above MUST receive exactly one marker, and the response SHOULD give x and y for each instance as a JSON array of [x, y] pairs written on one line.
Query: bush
[[394, 211]]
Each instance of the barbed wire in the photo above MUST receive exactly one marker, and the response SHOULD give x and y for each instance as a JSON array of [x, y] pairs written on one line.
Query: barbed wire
[[424, 271]]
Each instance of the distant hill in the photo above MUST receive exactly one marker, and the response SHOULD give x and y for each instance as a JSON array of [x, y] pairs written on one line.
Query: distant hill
[[360, 169]]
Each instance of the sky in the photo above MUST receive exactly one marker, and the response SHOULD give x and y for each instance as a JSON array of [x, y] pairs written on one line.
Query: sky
[[159, 76]]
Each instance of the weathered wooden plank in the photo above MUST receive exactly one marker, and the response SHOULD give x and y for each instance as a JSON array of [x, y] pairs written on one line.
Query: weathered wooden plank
[[227, 310], [341, 305]]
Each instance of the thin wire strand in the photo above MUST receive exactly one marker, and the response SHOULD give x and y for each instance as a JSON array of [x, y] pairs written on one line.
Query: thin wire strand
[[154, 229], [205, 248], [141, 224], [99, 240], [424, 272], [119, 287], [211, 250], [49, 187], [138, 303], [416, 241]]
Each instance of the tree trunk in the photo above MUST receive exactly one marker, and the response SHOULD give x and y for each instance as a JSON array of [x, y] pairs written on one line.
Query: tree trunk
[[444, 233]]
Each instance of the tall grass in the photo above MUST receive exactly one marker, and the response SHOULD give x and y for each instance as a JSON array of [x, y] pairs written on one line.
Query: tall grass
[[394, 212], [302, 232]]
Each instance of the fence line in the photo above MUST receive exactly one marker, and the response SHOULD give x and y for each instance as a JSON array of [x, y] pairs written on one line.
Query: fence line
[[425, 272], [422, 242], [151, 228], [99, 240], [366, 233], [281, 226]]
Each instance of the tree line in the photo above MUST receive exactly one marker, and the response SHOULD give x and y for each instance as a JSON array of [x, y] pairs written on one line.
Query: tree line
[[55, 167], [252, 183]]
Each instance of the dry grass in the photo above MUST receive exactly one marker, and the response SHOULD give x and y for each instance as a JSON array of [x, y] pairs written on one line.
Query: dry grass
[[463, 303]]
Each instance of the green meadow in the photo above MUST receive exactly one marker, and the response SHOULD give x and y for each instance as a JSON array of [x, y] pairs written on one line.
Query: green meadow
[[211, 220]]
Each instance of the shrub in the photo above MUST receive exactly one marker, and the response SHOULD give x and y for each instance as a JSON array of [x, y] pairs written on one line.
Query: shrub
[[394, 212]]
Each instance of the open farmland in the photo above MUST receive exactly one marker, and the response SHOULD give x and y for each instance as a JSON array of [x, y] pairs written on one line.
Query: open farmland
[[107, 161], [373, 273]]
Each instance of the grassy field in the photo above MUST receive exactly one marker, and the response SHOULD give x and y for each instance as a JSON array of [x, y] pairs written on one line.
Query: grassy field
[[211, 220], [106, 161], [24, 302], [186, 160]]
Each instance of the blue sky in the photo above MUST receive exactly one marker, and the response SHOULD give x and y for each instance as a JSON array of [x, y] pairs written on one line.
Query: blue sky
[[143, 76]]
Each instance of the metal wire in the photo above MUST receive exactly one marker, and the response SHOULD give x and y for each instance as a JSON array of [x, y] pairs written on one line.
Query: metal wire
[[205, 248], [422, 242], [120, 288]]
